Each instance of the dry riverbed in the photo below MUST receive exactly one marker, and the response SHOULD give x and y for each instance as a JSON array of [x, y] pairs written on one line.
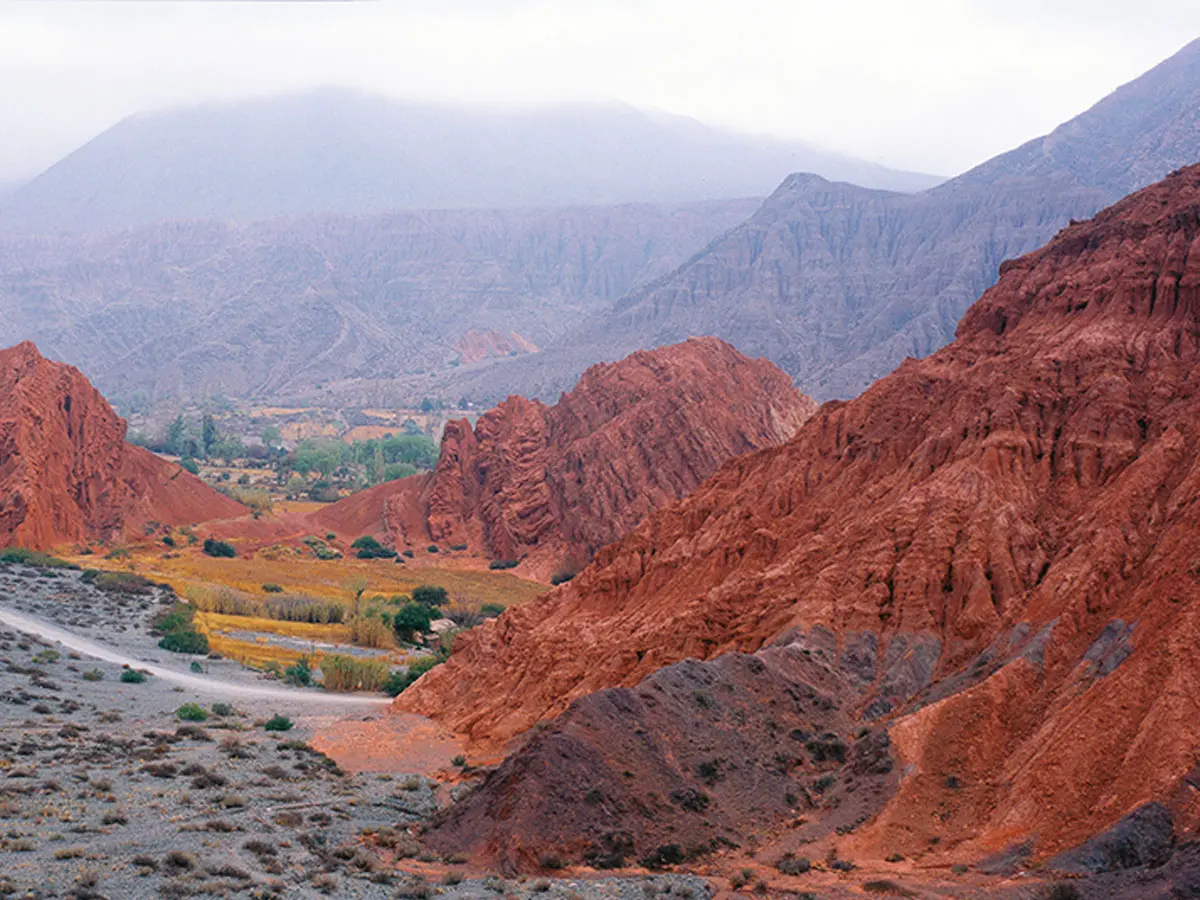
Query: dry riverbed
[[106, 792]]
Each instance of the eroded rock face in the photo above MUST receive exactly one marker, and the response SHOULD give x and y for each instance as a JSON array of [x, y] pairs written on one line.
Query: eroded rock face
[[550, 485], [66, 473], [1026, 499]]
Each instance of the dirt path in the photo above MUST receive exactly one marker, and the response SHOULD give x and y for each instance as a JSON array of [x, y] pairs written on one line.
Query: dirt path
[[199, 683]]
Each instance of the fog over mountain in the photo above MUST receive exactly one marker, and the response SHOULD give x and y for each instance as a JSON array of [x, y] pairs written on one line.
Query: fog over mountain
[[837, 284], [338, 151]]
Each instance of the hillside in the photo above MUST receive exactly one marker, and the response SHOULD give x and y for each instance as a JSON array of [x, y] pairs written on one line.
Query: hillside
[[837, 284], [984, 567], [337, 151], [550, 485], [351, 310], [66, 473]]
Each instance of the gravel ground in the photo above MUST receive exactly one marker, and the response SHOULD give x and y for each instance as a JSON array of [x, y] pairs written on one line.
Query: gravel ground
[[106, 792]]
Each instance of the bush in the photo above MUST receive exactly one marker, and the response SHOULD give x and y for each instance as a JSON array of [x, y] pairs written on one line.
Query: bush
[[345, 673], [368, 631], [184, 642], [459, 761], [369, 548], [168, 540], [222, 709], [190, 465], [213, 547], [793, 865], [192, 712], [299, 674], [430, 595], [34, 558], [491, 610], [401, 679], [504, 564], [132, 676], [271, 588], [278, 723], [458, 548], [411, 619], [122, 583], [432, 548], [561, 578], [93, 675]]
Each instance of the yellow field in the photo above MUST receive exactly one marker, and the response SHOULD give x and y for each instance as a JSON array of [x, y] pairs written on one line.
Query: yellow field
[[261, 653], [328, 579]]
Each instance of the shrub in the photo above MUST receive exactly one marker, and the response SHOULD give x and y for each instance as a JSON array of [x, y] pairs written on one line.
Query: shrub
[[330, 536], [278, 723], [122, 583], [34, 558], [222, 709], [430, 595], [369, 548], [491, 610], [299, 674], [93, 675], [884, 886], [408, 553], [192, 712], [168, 540], [401, 679], [190, 465], [432, 548], [458, 548], [504, 564], [411, 619], [213, 547], [1063, 891], [271, 588], [561, 578], [132, 676], [345, 673], [369, 631], [793, 865], [666, 855], [459, 761], [184, 642]]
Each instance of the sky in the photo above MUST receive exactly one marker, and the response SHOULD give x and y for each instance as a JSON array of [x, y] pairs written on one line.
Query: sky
[[928, 85]]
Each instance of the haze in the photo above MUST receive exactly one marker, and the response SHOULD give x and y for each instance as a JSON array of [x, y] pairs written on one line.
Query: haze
[[930, 85]]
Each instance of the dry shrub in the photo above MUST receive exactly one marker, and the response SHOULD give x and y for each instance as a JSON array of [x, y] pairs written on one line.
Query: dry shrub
[[345, 673], [368, 631]]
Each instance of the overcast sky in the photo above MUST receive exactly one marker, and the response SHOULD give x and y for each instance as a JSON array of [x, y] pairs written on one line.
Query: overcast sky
[[930, 85]]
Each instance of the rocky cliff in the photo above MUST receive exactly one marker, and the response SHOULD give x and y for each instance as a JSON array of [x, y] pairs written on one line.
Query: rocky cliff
[[838, 284], [66, 473], [371, 309], [550, 485], [998, 545]]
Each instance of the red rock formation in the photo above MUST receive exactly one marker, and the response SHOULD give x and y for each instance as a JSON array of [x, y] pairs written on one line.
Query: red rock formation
[[1025, 500], [66, 473], [551, 485]]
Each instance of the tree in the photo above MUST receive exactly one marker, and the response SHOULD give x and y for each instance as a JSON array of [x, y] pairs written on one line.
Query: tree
[[412, 619], [357, 586], [430, 595], [176, 435], [209, 435], [375, 467], [190, 465], [272, 436]]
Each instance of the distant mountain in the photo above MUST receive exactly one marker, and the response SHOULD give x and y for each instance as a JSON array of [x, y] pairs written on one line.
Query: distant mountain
[[336, 151], [837, 284], [352, 310]]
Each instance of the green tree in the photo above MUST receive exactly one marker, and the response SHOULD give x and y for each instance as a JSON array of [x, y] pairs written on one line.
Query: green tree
[[176, 435], [412, 619], [430, 595], [272, 436], [209, 435]]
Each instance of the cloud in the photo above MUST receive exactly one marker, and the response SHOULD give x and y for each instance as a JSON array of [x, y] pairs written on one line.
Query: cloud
[[927, 84]]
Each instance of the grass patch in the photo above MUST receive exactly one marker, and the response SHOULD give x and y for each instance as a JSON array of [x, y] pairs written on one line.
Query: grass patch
[[345, 673]]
